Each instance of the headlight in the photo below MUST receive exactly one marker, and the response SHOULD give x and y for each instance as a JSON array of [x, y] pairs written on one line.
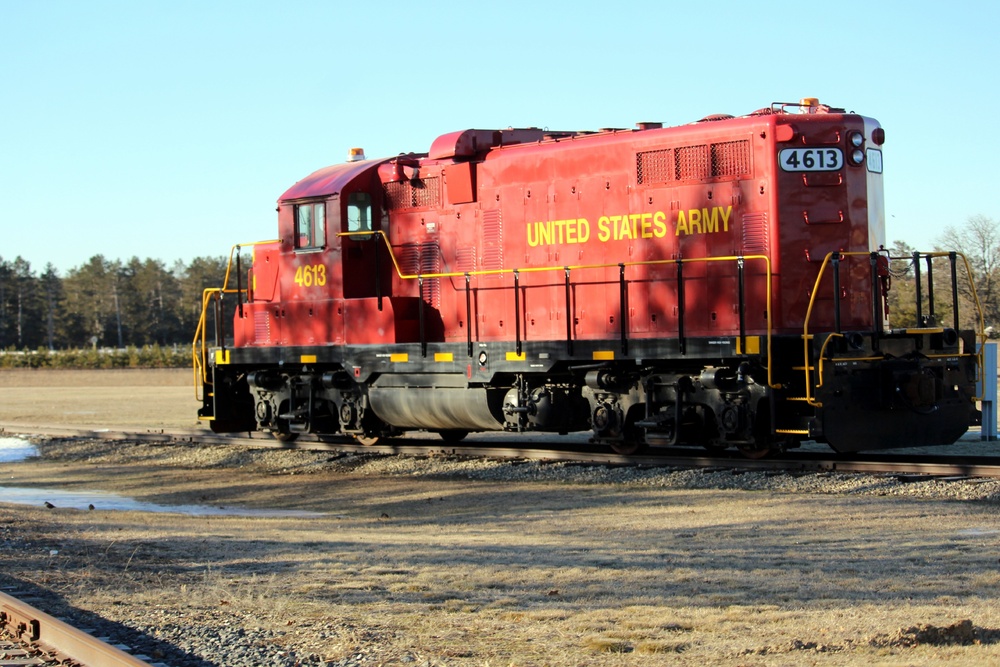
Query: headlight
[[856, 139], [857, 156]]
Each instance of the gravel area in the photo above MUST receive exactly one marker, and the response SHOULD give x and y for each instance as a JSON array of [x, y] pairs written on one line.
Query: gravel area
[[450, 561], [296, 462]]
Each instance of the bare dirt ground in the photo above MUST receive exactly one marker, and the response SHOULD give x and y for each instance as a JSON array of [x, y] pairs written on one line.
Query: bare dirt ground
[[414, 568]]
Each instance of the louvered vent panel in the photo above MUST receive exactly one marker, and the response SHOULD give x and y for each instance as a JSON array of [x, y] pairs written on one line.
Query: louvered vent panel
[[465, 259], [419, 260], [755, 236], [492, 245], [261, 326], [409, 258], [430, 262]]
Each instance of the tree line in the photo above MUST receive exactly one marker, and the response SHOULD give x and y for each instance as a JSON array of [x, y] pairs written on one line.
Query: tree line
[[977, 283], [103, 303]]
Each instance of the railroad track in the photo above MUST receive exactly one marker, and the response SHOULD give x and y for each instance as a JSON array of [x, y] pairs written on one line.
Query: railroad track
[[29, 636], [568, 449]]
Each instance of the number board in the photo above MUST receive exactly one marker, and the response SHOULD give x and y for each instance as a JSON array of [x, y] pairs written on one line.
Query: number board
[[874, 161], [811, 159]]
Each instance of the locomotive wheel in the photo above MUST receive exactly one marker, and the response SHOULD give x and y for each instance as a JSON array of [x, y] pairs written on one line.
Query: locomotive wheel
[[453, 435], [749, 452], [284, 436], [367, 440], [634, 438], [626, 447]]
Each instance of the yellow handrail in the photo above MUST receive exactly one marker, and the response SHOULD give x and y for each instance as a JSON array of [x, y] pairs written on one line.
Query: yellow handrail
[[577, 267], [806, 337], [199, 351]]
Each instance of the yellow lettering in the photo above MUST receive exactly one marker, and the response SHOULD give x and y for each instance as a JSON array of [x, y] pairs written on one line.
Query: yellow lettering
[[647, 225], [622, 227], [725, 217], [694, 221], [310, 275], [624, 230], [533, 238], [659, 224], [560, 225], [615, 226], [545, 233], [711, 219]]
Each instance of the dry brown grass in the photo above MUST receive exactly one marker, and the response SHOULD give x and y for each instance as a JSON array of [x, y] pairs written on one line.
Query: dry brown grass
[[99, 399]]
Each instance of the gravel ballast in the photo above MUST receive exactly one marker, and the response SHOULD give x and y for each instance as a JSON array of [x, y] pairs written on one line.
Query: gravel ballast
[[449, 561]]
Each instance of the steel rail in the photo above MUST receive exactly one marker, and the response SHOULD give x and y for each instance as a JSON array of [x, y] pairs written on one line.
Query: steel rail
[[574, 451], [33, 626]]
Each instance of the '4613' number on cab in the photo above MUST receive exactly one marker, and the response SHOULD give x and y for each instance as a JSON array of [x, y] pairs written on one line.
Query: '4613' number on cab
[[311, 275]]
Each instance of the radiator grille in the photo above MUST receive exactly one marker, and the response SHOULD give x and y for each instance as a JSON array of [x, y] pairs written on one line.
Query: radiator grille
[[691, 162], [418, 193], [731, 158], [655, 166], [727, 159]]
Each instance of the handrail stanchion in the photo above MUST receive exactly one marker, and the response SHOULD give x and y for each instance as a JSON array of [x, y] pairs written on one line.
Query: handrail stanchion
[[468, 312], [952, 257], [835, 261], [517, 311], [569, 316], [931, 319], [742, 305], [420, 315], [680, 306], [623, 307], [876, 299]]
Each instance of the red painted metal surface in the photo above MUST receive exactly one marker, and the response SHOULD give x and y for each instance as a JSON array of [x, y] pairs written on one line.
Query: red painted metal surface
[[489, 202]]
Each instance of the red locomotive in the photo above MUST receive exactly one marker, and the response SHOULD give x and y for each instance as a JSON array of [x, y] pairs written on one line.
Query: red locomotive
[[721, 283]]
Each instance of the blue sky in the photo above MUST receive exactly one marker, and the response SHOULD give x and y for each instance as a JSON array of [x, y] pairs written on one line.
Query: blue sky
[[168, 129]]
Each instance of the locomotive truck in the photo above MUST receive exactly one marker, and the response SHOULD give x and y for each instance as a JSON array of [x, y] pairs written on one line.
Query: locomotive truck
[[723, 283]]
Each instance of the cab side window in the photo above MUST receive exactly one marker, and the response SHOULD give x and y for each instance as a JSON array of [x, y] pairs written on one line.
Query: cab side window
[[359, 212], [310, 225]]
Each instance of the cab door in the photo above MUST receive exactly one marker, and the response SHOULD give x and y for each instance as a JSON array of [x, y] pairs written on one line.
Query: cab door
[[365, 259]]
